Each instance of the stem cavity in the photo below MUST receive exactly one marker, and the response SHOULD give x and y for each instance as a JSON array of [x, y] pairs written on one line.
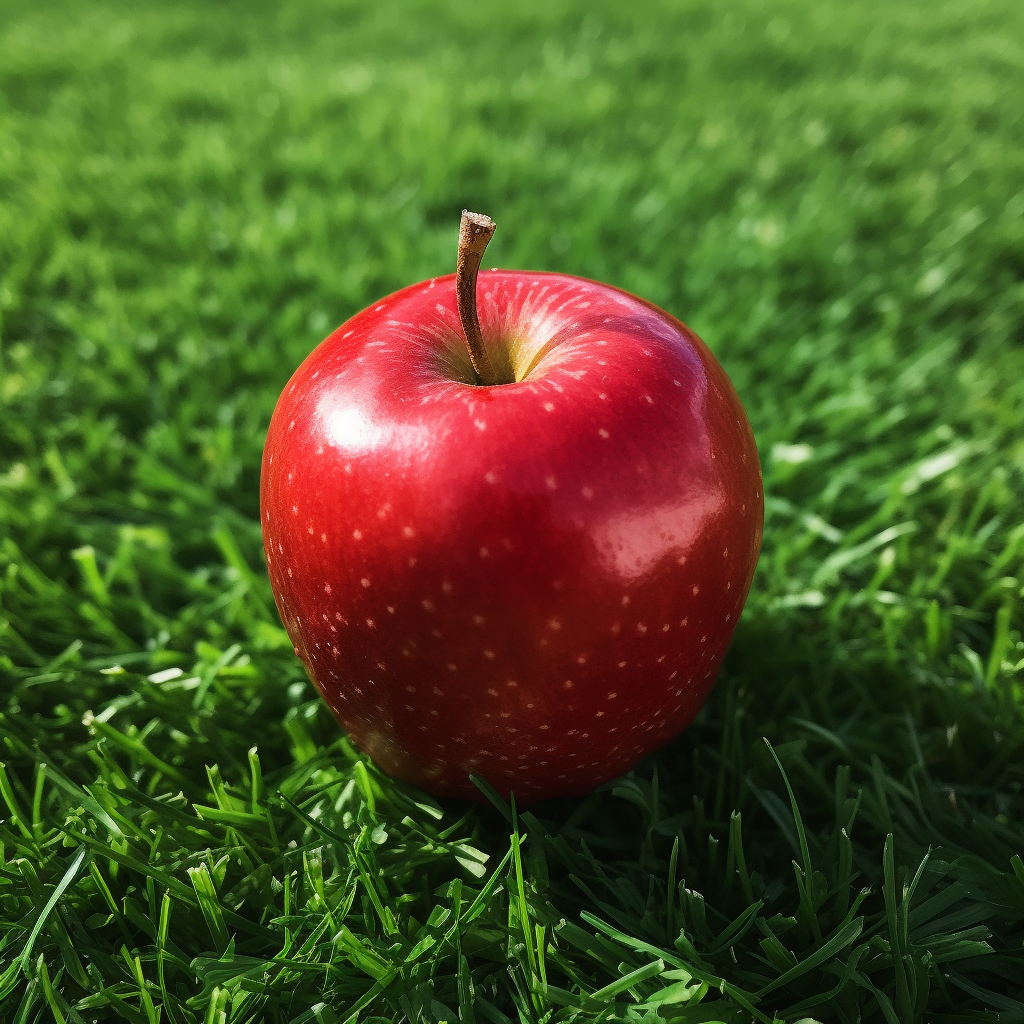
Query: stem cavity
[[474, 234]]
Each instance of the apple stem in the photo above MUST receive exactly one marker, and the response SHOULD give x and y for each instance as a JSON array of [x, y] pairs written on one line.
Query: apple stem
[[474, 234]]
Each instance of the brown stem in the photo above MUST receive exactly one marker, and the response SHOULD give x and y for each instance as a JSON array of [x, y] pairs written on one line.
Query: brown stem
[[474, 234]]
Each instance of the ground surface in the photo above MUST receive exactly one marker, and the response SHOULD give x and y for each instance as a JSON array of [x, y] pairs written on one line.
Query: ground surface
[[831, 194]]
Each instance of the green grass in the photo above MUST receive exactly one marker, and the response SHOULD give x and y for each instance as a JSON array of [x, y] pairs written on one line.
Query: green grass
[[194, 194]]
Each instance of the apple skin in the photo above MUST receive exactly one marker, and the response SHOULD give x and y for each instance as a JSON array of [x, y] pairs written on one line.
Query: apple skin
[[537, 581]]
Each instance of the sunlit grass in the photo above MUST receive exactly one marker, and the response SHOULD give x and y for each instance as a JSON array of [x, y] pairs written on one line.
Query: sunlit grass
[[194, 194]]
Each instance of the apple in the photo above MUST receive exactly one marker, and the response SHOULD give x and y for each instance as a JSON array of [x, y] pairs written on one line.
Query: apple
[[512, 540]]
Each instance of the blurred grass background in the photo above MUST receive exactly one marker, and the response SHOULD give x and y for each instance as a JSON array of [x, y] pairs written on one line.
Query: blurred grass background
[[194, 194]]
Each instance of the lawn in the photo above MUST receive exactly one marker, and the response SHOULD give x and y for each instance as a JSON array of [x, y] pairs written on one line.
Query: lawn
[[194, 194]]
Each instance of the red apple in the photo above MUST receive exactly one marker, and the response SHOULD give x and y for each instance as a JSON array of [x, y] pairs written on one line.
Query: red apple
[[536, 579]]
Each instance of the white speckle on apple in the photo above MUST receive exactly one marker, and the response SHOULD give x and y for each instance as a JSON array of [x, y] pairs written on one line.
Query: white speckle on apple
[[675, 672], [622, 664], [291, 426], [309, 530], [616, 628], [327, 588], [587, 492], [491, 478], [323, 537], [429, 605], [493, 692], [661, 659], [478, 620], [357, 534], [602, 396], [408, 531], [480, 424], [377, 309], [603, 433], [641, 627], [704, 639], [512, 684], [552, 484], [410, 689], [446, 587], [365, 582], [452, 667], [650, 401], [289, 570], [728, 617], [412, 563], [295, 510], [695, 590], [600, 714], [544, 728], [683, 622], [370, 624], [554, 624], [549, 406], [489, 654], [484, 553], [677, 384]]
